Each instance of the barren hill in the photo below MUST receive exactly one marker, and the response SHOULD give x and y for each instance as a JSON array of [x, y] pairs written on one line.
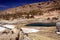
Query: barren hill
[[35, 10]]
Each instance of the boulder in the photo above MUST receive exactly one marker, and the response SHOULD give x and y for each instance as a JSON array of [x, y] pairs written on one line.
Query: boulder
[[58, 26]]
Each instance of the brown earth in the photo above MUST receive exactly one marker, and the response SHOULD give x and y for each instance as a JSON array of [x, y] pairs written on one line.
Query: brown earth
[[45, 33], [49, 11], [34, 10]]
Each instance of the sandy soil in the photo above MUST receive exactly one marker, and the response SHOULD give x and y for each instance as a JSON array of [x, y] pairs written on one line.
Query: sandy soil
[[45, 33]]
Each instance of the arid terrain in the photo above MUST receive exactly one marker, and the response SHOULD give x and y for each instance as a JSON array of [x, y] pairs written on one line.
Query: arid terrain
[[19, 17], [45, 33]]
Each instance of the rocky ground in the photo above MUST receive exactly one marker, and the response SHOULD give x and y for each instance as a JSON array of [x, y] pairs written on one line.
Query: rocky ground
[[44, 33], [44, 12]]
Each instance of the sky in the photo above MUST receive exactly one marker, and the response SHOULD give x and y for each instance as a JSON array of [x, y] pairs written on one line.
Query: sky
[[5, 4]]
